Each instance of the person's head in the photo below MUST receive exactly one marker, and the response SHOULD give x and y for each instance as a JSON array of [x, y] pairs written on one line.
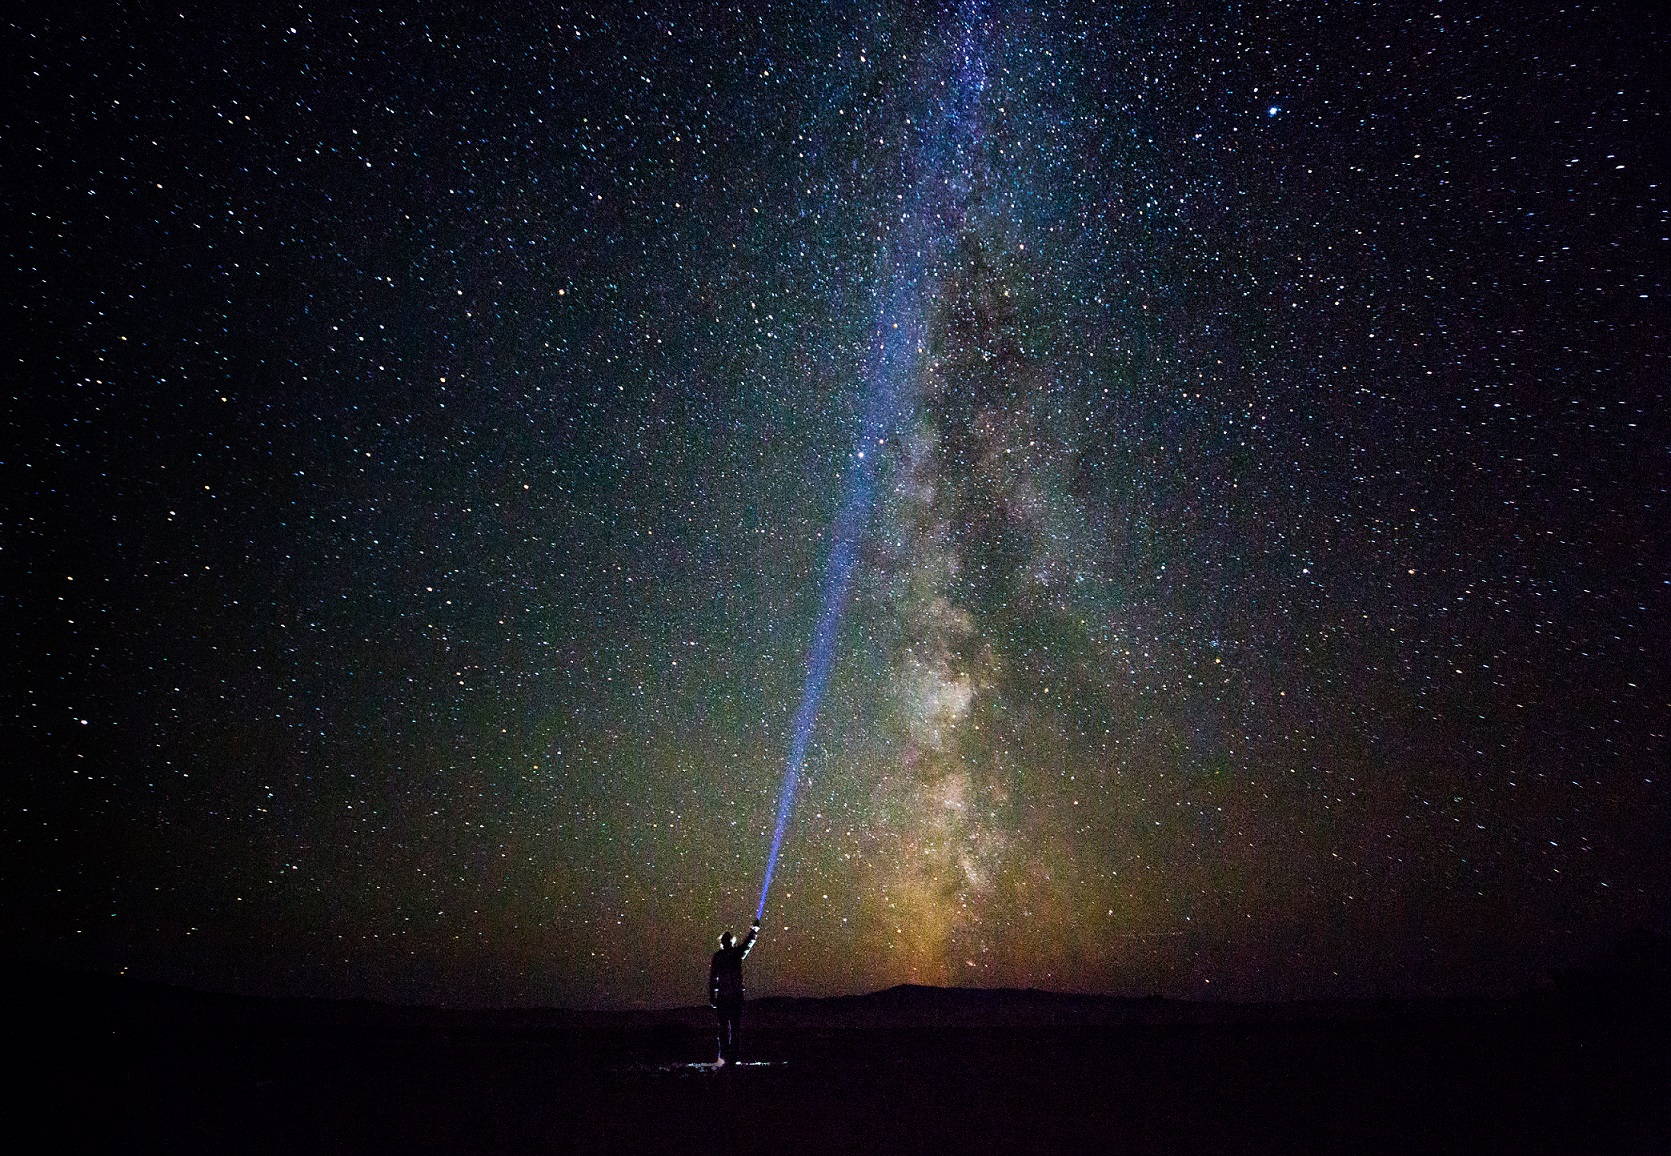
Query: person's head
[[726, 939]]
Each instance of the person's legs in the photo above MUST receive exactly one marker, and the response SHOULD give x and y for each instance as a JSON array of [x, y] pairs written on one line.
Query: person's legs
[[730, 1013]]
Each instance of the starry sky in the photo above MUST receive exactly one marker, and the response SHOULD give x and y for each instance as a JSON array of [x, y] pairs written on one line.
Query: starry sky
[[424, 437]]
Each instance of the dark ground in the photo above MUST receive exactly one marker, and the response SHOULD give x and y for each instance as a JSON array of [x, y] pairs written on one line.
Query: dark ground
[[140, 1068]]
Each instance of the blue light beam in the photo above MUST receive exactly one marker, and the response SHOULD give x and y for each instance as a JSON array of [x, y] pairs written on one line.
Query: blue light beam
[[898, 342], [947, 162]]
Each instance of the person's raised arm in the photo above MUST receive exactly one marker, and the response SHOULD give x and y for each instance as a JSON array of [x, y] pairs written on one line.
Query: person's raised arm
[[753, 934]]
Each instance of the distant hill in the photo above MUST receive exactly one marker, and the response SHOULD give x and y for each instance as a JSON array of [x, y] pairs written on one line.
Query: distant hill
[[32, 992], [1633, 978], [42, 994], [917, 1006]]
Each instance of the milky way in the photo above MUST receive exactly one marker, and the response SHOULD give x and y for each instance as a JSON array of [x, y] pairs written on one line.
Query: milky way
[[428, 442]]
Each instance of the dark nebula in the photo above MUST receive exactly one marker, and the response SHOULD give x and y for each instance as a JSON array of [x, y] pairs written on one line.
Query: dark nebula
[[423, 435]]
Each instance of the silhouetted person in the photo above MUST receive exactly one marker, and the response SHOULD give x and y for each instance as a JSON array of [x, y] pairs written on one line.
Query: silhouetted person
[[725, 990]]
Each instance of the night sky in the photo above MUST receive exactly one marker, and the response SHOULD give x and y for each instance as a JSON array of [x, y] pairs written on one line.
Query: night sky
[[423, 441]]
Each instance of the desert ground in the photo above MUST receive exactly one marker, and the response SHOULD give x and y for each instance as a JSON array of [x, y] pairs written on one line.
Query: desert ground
[[135, 1067]]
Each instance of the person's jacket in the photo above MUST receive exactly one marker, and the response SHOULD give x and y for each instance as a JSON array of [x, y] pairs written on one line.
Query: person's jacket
[[725, 974]]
